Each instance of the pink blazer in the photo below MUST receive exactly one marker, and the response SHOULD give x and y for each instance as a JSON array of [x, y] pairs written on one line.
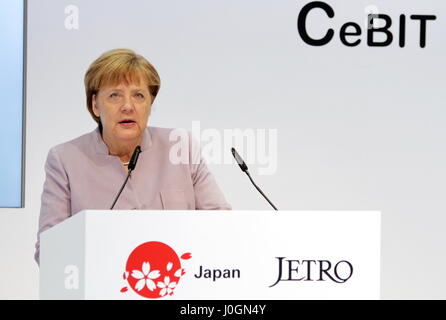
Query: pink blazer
[[80, 174]]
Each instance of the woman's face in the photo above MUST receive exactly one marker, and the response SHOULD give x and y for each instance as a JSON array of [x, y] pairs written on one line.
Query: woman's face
[[124, 110]]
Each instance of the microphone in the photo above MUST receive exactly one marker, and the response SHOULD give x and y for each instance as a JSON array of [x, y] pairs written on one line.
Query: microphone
[[131, 167], [244, 168], [134, 159]]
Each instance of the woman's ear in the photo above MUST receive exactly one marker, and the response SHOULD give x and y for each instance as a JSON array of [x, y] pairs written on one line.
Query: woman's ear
[[95, 106]]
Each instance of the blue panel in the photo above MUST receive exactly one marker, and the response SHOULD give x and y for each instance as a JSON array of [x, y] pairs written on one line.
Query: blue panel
[[11, 106]]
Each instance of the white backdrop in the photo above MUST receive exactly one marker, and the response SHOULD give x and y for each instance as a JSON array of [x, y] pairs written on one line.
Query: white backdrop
[[357, 128]]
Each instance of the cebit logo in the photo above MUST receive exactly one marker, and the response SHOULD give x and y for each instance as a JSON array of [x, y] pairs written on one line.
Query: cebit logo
[[153, 270], [350, 32]]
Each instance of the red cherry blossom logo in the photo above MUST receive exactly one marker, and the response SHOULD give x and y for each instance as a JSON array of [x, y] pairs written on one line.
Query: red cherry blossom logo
[[153, 270]]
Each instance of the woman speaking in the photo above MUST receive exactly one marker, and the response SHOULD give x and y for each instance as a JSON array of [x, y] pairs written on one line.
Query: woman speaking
[[87, 172]]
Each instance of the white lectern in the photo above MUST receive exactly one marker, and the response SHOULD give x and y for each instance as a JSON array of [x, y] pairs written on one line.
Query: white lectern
[[212, 255]]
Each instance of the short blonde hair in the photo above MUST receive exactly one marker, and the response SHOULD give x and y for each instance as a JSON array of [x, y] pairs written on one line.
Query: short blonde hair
[[116, 66]]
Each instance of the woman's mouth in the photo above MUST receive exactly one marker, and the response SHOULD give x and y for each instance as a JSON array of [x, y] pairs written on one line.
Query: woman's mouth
[[127, 123]]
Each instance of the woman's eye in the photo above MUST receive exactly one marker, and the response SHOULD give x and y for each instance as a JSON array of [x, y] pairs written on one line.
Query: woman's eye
[[114, 95], [140, 95]]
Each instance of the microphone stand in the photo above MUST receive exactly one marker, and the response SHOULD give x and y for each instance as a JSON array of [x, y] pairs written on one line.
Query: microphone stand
[[261, 192], [131, 167], [120, 190], [244, 168]]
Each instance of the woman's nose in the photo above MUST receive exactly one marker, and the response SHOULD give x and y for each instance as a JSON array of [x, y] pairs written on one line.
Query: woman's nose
[[127, 105]]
